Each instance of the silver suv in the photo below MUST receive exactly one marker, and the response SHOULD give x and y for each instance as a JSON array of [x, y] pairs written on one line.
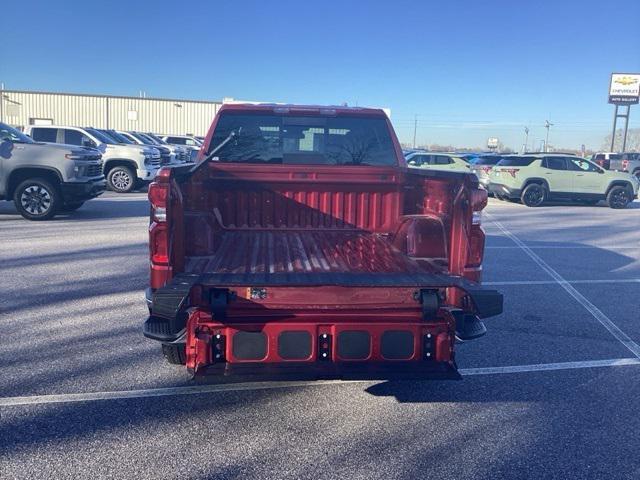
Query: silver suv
[[125, 166], [45, 179]]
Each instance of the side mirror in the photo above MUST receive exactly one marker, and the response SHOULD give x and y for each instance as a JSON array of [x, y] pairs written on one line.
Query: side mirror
[[87, 142]]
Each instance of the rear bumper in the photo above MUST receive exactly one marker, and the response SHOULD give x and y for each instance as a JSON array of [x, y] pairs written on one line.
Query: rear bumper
[[502, 190], [79, 191], [320, 349]]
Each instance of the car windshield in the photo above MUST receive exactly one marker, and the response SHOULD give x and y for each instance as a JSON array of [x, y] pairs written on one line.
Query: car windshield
[[104, 138], [158, 140], [10, 133], [488, 160], [309, 140], [117, 137], [150, 138], [142, 138]]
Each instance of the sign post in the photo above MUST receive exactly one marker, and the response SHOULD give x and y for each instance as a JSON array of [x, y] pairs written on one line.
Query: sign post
[[624, 90]]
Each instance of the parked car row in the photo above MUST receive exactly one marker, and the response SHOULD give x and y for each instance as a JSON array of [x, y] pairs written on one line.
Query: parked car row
[[131, 159], [50, 169], [537, 177]]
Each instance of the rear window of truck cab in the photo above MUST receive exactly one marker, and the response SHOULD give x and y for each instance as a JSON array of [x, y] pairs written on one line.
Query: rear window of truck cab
[[516, 161], [303, 140]]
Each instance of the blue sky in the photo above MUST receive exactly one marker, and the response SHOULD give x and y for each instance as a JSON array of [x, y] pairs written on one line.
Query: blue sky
[[467, 69]]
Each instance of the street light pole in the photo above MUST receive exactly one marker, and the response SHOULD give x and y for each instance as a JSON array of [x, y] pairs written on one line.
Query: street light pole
[[526, 139], [415, 128], [547, 125]]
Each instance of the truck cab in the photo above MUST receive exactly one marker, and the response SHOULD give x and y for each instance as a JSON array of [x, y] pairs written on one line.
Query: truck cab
[[301, 245], [125, 166]]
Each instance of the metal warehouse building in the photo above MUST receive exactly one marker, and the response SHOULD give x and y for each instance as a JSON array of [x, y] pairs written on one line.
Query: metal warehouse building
[[159, 115]]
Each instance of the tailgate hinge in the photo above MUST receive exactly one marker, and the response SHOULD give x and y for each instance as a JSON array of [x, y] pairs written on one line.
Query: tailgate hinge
[[430, 301], [219, 299]]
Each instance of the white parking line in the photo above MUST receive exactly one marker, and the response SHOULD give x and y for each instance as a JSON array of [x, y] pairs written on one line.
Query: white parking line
[[202, 389], [553, 282], [542, 367], [590, 307]]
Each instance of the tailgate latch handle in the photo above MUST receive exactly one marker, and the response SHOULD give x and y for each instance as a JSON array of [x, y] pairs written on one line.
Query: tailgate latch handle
[[430, 300]]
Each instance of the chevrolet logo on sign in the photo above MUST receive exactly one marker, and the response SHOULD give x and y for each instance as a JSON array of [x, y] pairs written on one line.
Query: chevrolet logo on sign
[[626, 80], [624, 88]]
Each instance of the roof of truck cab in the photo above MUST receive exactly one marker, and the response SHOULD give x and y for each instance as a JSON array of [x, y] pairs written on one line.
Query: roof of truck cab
[[279, 108]]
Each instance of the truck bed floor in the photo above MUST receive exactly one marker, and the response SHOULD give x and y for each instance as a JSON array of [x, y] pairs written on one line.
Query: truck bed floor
[[308, 257]]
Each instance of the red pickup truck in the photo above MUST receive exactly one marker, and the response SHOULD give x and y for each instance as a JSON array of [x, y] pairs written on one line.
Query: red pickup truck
[[301, 245]]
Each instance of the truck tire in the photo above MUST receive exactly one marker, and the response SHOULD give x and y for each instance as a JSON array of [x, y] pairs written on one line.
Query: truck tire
[[533, 195], [121, 179], [174, 353], [618, 197], [71, 206], [37, 199]]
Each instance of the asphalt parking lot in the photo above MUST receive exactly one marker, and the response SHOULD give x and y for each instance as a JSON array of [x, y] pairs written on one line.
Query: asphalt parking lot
[[552, 391]]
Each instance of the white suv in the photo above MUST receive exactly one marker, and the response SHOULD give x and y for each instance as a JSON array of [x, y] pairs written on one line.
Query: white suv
[[125, 166], [191, 142], [437, 161]]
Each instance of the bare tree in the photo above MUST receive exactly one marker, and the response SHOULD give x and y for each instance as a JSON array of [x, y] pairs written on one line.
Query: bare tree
[[633, 140]]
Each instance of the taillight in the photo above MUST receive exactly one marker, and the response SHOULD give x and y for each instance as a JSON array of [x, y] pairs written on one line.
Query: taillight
[[158, 242], [511, 171], [476, 246], [158, 245], [158, 196]]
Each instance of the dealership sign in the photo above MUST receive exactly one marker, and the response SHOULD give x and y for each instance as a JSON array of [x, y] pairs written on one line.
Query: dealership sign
[[624, 88]]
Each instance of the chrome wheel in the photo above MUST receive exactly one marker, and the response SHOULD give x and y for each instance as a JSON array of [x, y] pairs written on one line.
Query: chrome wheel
[[121, 180], [36, 200]]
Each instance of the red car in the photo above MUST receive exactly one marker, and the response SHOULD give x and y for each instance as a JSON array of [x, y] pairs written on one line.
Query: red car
[[300, 245]]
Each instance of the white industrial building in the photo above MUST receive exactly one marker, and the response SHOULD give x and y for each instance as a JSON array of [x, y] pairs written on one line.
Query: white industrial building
[[159, 115]]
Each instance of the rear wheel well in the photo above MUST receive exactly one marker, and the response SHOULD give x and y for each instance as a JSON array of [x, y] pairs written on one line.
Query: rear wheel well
[[620, 183], [20, 175], [537, 181], [119, 163]]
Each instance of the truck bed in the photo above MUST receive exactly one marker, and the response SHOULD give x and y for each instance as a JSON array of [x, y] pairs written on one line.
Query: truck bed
[[308, 257]]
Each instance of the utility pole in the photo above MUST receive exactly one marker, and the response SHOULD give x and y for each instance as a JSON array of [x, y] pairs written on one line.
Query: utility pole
[[2, 102], [415, 128], [547, 125], [526, 139]]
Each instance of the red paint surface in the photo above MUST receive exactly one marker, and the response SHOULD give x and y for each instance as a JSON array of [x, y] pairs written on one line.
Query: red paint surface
[[246, 218]]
